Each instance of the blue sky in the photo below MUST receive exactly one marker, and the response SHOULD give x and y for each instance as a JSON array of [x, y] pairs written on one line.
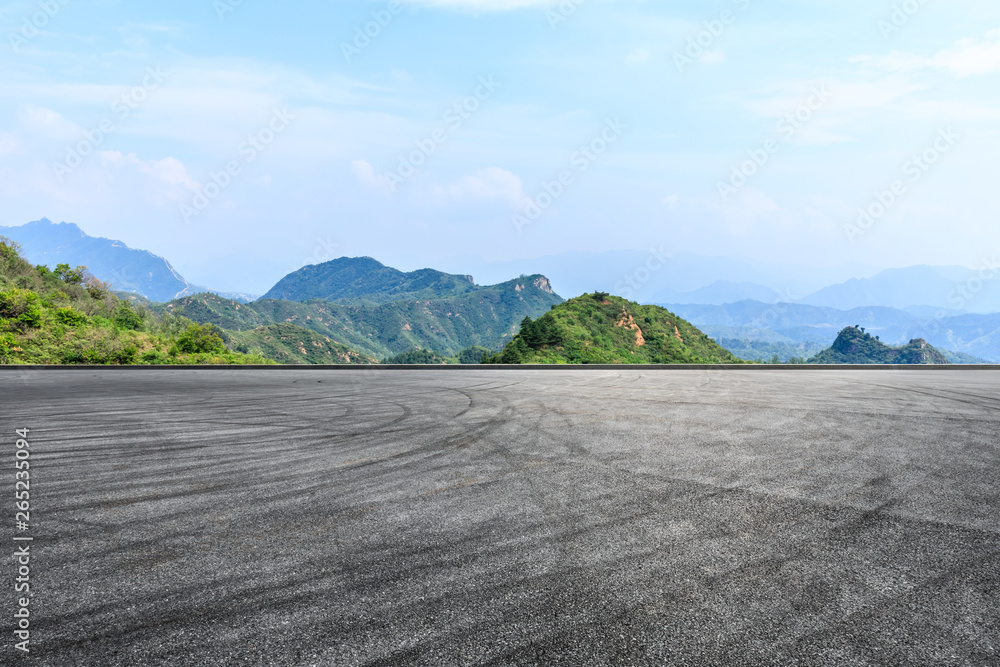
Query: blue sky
[[245, 138]]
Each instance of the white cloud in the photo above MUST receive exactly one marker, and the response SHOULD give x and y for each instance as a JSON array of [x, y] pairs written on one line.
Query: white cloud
[[45, 123], [366, 174], [491, 183], [966, 57], [167, 177]]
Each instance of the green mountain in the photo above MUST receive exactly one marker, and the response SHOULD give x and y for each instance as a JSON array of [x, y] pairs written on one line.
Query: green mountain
[[67, 316], [290, 344], [603, 329], [854, 346], [486, 317], [127, 269], [364, 280]]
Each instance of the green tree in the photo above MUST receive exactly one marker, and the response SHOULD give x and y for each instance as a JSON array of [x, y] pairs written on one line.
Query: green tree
[[70, 276], [473, 355], [200, 338], [20, 308], [127, 317]]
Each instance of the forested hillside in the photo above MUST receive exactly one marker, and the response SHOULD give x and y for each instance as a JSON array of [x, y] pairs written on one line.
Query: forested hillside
[[603, 329], [487, 317], [65, 315]]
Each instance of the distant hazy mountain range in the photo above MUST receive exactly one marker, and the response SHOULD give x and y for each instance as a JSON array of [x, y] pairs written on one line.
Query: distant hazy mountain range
[[652, 277], [794, 323], [946, 287], [379, 310], [660, 276], [127, 269]]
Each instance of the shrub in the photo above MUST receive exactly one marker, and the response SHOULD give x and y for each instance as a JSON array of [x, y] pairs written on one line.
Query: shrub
[[126, 317], [200, 338], [8, 345], [156, 357], [10, 252], [70, 316], [97, 289], [20, 306], [473, 355], [101, 351]]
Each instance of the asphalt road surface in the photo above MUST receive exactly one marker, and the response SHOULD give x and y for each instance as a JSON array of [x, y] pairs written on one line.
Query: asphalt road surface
[[660, 517]]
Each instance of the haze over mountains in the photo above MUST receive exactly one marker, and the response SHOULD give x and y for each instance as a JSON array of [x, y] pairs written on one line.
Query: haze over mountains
[[127, 269], [652, 276], [378, 312], [793, 323]]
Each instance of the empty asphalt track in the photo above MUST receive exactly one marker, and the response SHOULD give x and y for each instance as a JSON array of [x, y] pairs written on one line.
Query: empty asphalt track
[[660, 517]]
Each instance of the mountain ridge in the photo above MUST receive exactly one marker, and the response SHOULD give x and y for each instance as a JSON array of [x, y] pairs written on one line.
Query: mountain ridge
[[128, 269], [855, 346], [486, 317]]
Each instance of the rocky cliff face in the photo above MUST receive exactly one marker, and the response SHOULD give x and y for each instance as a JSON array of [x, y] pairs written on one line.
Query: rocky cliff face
[[543, 284]]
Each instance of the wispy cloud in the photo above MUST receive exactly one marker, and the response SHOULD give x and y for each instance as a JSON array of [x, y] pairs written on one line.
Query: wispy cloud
[[966, 57], [482, 5], [492, 183]]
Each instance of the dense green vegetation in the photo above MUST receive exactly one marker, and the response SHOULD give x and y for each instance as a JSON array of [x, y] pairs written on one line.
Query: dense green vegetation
[[770, 352], [854, 346], [290, 344], [603, 329], [471, 355], [364, 280], [487, 317], [416, 357], [67, 316]]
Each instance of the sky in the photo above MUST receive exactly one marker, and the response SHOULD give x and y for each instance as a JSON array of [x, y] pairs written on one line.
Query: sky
[[242, 139]]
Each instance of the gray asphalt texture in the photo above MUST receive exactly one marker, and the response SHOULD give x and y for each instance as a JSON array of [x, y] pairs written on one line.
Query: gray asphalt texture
[[681, 517]]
